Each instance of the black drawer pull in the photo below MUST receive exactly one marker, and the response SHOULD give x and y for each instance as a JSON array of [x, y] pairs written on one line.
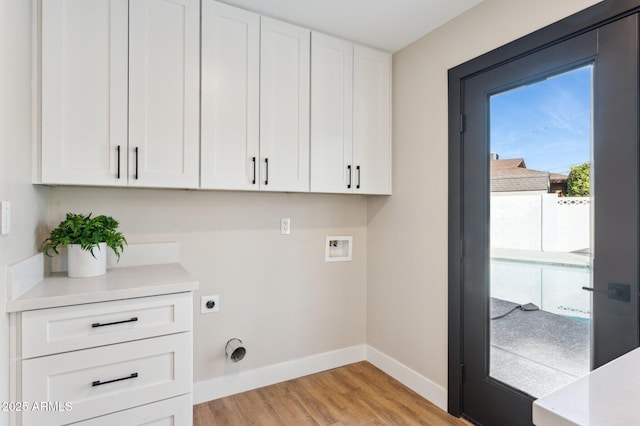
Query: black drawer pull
[[349, 173], [97, 324], [266, 178], [99, 383]]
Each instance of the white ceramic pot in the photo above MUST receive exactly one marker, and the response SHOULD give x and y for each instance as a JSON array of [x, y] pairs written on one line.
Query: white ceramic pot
[[81, 264]]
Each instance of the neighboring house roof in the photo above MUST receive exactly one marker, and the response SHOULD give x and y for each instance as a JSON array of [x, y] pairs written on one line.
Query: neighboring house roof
[[558, 178], [511, 175], [507, 164]]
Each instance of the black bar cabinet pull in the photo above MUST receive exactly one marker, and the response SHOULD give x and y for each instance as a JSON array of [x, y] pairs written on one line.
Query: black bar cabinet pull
[[349, 173], [358, 170], [136, 176], [97, 324], [118, 171], [99, 383], [266, 178], [253, 182]]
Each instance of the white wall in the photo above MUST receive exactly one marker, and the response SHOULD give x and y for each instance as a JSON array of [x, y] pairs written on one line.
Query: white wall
[[277, 294], [516, 221], [574, 225], [543, 222], [29, 203], [407, 232]]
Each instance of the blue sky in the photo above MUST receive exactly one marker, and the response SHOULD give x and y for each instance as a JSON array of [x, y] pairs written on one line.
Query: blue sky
[[547, 123]]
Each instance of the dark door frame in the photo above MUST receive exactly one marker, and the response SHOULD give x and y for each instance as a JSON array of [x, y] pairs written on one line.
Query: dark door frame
[[584, 21]]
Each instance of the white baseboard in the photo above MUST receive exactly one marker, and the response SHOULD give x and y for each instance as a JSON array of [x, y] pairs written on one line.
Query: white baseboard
[[424, 387], [243, 381], [248, 380]]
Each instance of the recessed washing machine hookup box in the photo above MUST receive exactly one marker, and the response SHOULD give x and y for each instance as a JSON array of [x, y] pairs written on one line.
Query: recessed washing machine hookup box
[[338, 249]]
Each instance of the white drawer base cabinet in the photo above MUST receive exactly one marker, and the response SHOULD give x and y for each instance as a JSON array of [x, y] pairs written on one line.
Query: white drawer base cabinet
[[121, 362], [107, 379], [168, 412]]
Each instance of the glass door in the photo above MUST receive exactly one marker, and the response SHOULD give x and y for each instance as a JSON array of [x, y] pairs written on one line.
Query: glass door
[[549, 220], [540, 231]]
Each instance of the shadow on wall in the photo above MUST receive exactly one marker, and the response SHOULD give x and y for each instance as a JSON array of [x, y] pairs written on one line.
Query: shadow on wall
[[166, 211], [374, 205]]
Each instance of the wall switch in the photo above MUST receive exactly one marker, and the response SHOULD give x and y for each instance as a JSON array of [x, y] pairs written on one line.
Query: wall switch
[[5, 212], [285, 226], [209, 304]]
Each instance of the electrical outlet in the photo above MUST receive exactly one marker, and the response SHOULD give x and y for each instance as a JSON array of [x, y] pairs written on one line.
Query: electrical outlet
[[209, 304], [285, 226]]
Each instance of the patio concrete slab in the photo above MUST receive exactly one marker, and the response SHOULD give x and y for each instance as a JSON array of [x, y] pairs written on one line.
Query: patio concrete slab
[[537, 351]]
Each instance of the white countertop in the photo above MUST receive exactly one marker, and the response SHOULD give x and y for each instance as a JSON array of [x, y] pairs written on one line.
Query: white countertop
[[608, 396], [118, 283]]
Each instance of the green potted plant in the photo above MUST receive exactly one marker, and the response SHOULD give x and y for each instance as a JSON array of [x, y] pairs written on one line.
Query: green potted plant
[[86, 239]]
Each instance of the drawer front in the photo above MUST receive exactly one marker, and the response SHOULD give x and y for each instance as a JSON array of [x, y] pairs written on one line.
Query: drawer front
[[175, 412], [56, 330], [111, 378]]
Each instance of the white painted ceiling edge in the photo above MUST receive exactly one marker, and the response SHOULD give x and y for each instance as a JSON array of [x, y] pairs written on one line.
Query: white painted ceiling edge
[[386, 24]]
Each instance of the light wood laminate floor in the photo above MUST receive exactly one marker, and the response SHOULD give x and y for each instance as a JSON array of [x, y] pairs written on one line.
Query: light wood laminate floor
[[357, 394]]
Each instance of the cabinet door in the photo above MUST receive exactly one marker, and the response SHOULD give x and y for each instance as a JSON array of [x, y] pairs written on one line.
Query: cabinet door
[[164, 93], [84, 92], [331, 114], [230, 97], [284, 106], [372, 121]]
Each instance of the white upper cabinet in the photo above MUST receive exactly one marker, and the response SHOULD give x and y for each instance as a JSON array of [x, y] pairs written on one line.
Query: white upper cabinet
[[159, 93], [164, 92], [284, 107], [371, 121], [350, 117], [331, 114], [230, 129], [255, 101], [120, 92], [84, 92]]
